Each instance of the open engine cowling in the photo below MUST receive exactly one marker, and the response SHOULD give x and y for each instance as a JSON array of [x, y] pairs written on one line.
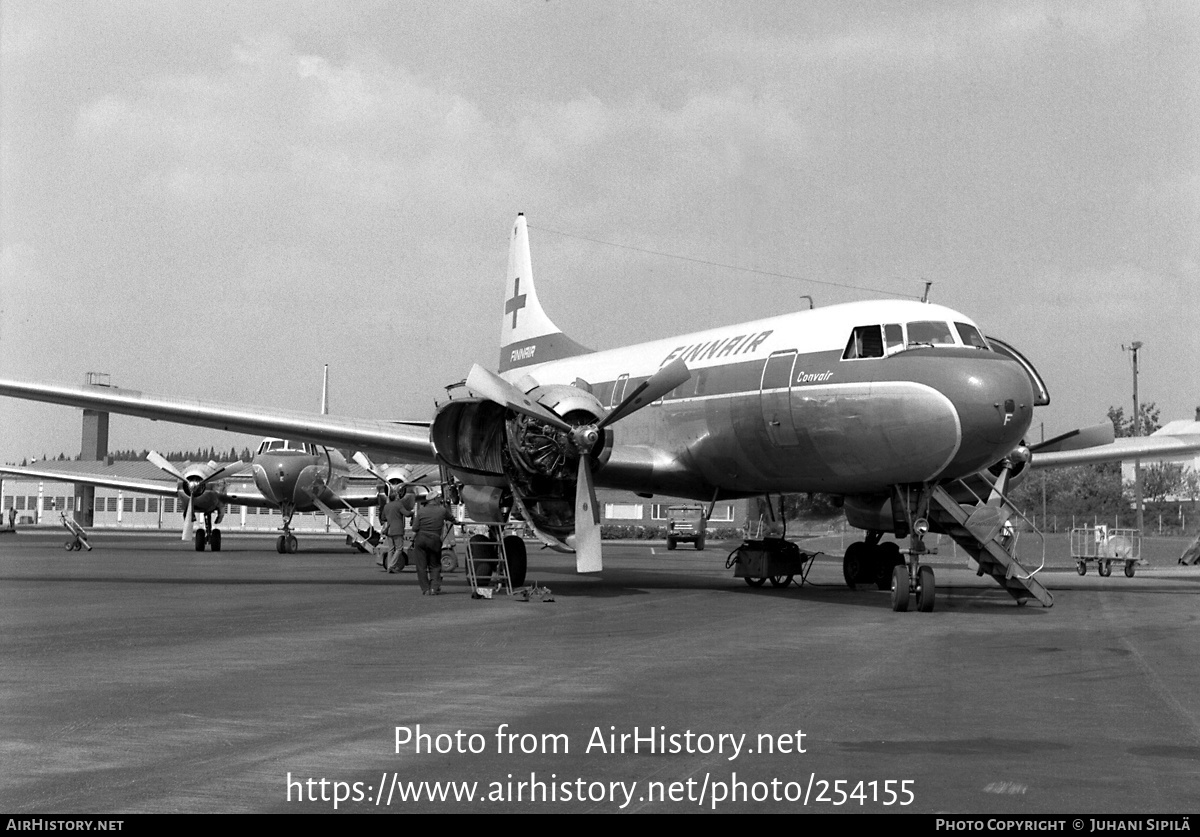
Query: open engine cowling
[[488, 445]]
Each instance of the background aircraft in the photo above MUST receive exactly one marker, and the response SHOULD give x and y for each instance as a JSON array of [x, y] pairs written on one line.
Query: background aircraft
[[904, 409], [284, 474]]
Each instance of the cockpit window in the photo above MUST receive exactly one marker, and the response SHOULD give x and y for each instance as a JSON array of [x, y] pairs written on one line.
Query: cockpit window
[[893, 338], [971, 336], [271, 445], [865, 341], [930, 333]]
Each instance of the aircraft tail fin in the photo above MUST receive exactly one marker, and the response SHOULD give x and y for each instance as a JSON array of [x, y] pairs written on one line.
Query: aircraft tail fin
[[325, 392], [527, 335]]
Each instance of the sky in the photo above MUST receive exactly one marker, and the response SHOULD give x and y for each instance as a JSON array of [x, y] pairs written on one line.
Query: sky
[[213, 199]]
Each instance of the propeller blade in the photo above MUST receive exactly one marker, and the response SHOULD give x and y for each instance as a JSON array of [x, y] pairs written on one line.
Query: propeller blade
[[494, 388], [160, 462], [225, 470], [649, 391], [1079, 439], [362, 459], [189, 525], [588, 558]]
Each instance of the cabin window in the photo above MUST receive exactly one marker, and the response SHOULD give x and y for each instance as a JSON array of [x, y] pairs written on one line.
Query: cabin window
[[865, 341], [971, 336], [929, 333]]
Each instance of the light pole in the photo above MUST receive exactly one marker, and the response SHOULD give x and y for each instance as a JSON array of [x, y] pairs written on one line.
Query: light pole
[[1137, 431]]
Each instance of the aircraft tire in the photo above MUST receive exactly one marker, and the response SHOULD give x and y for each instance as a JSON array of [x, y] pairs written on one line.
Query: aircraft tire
[[900, 588], [781, 580], [1129, 569], [853, 563], [887, 556], [926, 590], [200, 539], [279, 544], [518, 560], [292, 545], [755, 582], [1081, 567], [214, 540]]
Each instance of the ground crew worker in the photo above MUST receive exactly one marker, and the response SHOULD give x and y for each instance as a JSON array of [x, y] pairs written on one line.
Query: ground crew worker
[[394, 514], [429, 521]]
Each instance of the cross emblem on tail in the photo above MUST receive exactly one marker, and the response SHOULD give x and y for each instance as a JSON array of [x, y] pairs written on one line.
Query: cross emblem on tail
[[517, 302]]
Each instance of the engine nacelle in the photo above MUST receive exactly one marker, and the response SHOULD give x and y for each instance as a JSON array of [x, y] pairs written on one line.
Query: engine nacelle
[[490, 446]]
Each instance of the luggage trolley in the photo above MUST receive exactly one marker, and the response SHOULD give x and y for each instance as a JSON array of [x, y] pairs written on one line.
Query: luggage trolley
[[1106, 547], [79, 539]]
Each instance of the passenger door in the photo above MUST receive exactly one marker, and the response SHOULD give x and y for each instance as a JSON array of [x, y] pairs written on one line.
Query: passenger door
[[775, 395]]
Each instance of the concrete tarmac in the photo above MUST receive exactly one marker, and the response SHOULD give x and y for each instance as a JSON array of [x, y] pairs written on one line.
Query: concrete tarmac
[[146, 677]]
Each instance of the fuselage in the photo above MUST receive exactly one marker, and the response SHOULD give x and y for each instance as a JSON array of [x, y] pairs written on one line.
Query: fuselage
[[848, 399], [290, 473]]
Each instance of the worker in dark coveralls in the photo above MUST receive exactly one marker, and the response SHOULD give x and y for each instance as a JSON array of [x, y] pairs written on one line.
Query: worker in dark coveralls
[[429, 521], [394, 514]]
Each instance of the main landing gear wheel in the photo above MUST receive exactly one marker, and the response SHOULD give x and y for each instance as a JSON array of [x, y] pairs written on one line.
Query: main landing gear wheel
[[483, 554], [279, 544], [292, 545], [781, 580], [755, 582], [900, 588], [518, 562], [214, 540], [1081, 568], [887, 556], [854, 563], [201, 538], [925, 590], [1129, 569]]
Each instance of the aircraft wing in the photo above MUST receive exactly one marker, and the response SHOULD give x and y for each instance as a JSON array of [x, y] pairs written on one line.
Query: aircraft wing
[[1158, 446], [161, 488], [398, 441]]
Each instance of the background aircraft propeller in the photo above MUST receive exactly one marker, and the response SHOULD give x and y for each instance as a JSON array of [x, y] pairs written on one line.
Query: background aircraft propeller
[[192, 484], [581, 441]]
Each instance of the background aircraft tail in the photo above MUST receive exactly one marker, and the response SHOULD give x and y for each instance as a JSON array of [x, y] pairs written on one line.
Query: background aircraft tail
[[527, 335]]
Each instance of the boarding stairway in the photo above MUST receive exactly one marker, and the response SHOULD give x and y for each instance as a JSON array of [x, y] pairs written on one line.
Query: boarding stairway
[[979, 529], [357, 527]]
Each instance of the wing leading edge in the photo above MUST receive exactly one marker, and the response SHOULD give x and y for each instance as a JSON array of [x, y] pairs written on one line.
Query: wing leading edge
[[405, 443]]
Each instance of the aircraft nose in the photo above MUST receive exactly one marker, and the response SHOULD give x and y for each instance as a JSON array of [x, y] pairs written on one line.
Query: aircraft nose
[[994, 399]]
